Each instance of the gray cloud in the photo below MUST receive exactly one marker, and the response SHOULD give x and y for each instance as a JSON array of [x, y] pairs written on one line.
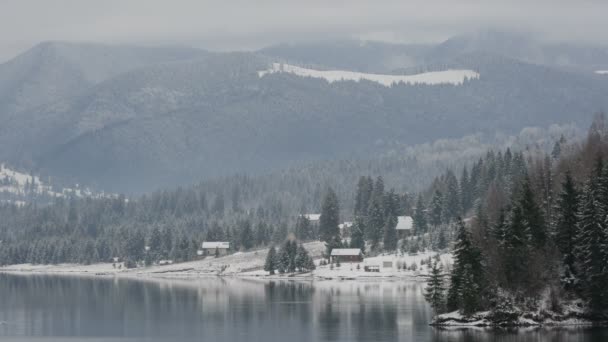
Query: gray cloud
[[240, 24]]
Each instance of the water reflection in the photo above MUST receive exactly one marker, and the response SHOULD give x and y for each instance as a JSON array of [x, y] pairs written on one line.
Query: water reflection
[[234, 310]]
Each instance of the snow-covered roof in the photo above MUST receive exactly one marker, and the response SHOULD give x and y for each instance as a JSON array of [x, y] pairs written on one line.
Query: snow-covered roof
[[405, 223], [214, 245], [345, 225], [312, 217], [345, 251]]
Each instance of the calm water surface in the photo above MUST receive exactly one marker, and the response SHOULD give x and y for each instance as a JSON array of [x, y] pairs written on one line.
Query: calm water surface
[[54, 308]]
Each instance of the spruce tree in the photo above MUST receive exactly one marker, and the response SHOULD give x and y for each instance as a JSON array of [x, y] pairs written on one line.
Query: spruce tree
[[303, 261], [591, 249], [271, 261], [467, 277], [436, 208], [435, 289], [532, 216], [375, 222], [303, 228], [330, 217], [364, 194], [357, 238], [420, 222], [390, 233], [567, 221]]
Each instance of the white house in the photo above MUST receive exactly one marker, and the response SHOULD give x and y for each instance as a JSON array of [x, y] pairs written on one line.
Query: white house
[[405, 225], [313, 218], [210, 248], [345, 225]]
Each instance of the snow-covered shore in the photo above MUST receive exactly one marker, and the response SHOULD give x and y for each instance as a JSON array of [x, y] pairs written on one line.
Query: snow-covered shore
[[571, 315], [250, 265]]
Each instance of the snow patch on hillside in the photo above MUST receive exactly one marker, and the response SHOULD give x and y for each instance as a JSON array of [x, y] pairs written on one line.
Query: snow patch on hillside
[[454, 77], [18, 184], [602, 72]]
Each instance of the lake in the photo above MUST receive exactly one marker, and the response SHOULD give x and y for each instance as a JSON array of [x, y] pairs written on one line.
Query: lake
[[60, 308]]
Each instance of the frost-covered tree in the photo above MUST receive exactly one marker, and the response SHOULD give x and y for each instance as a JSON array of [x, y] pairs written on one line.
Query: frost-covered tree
[[270, 265], [435, 289]]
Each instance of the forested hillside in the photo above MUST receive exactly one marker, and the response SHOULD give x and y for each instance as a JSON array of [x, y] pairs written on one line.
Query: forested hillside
[[171, 116], [536, 232]]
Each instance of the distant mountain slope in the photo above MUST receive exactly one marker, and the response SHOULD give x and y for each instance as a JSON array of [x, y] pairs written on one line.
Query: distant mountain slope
[[182, 121], [54, 70]]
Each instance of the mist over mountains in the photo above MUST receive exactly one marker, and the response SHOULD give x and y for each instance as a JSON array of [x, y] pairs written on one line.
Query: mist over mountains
[[134, 119]]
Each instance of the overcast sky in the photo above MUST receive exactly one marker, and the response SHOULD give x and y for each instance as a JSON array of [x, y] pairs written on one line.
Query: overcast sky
[[250, 24]]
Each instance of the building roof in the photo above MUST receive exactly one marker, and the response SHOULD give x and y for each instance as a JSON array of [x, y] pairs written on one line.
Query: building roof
[[313, 217], [214, 245], [345, 251], [345, 225], [405, 223]]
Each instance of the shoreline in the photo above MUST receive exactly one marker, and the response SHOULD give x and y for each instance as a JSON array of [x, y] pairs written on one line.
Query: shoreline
[[571, 317]]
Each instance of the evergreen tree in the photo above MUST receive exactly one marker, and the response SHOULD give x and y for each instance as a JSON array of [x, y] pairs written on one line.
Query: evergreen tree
[[330, 217], [390, 233], [303, 261], [335, 242], [452, 203], [375, 222], [247, 238], [271, 261], [436, 208], [364, 194], [357, 238], [420, 222], [435, 289], [532, 216], [591, 249], [303, 228], [467, 277], [567, 221]]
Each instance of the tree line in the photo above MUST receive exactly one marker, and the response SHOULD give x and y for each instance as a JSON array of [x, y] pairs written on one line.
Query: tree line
[[535, 238]]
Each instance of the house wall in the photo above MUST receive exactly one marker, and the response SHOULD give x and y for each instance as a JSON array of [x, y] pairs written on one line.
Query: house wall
[[347, 258], [211, 251]]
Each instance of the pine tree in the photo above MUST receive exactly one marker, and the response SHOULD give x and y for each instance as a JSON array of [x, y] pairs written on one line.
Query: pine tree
[[357, 238], [271, 261], [375, 222], [364, 194], [330, 217], [467, 277], [390, 233], [567, 221], [420, 223], [591, 249], [303, 228], [451, 204], [246, 238], [303, 260], [436, 208], [532, 216], [435, 290]]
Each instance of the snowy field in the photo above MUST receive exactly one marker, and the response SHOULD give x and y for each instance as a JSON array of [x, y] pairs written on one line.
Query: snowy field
[[250, 265], [454, 77]]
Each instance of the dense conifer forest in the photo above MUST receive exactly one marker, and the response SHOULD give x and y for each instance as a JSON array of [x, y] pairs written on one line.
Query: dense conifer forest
[[535, 232]]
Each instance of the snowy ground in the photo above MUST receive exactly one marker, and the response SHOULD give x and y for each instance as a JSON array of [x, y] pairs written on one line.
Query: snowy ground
[[602, 72], [233, 264], [250, 264], [572, 313], [454, 77]]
